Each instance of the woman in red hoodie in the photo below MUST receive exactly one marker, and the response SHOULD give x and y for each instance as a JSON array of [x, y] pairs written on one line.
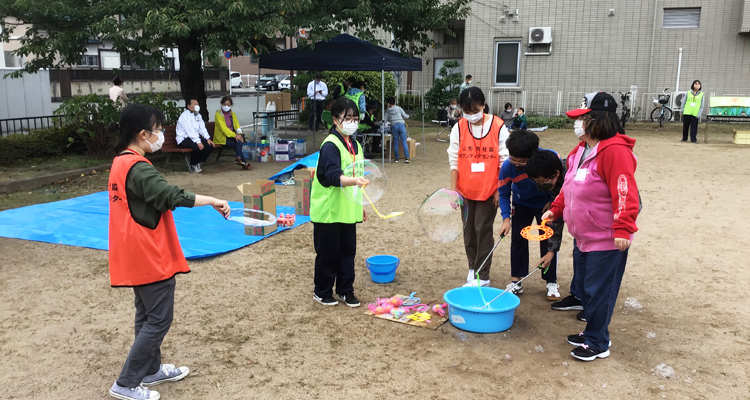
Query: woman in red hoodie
[[599, 202]]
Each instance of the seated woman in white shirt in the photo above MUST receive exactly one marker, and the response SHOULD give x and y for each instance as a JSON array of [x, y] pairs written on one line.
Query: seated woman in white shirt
[[192, 134]]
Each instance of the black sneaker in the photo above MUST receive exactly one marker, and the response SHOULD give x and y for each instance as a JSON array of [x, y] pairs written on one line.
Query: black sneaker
[[326, 301], [396, 160], [577, 340], [349, 300], [586, 353], [580, 339], [567, 304], [407, 161], [684, 140], [581, 317]]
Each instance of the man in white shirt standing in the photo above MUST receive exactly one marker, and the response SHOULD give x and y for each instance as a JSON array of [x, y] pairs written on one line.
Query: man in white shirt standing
[[117, 93], [192, 134], [316, 92]]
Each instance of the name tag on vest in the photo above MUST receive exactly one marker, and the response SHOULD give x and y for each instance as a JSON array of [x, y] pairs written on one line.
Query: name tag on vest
[[477, 167], [692, 104], [581, 174]]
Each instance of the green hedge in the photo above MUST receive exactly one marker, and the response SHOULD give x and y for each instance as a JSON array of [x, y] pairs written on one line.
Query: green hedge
[[49, 142], [559, 122]]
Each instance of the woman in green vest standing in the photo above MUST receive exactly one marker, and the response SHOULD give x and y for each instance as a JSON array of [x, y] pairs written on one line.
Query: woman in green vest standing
[[334, 216], [691, 112]]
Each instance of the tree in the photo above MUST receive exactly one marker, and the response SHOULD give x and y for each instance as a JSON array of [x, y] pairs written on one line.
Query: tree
[[446, 86], [140, 29]]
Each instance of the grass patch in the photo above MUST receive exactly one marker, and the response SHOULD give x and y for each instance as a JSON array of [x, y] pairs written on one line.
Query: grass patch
[[60, 190], [31, 168]]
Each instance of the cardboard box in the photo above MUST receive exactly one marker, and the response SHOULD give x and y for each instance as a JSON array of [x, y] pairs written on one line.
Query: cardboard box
[[284, 157], [259, 196], [412, 148], [303, 179], [283, 100], [266, 158], [300, 147], [284, 147], [741, 137]]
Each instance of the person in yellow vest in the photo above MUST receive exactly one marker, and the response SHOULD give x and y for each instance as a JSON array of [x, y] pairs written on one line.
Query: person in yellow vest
[[227, 131], [333, 214], [144, 250], [357, 94], [692, 112], [476, 152]]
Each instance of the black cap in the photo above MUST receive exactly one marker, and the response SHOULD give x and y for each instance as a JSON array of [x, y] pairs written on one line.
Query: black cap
[[601, 101], [372, 104]]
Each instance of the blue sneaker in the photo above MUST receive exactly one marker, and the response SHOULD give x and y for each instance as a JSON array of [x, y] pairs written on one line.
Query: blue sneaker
[[136, 393], [166, 373]]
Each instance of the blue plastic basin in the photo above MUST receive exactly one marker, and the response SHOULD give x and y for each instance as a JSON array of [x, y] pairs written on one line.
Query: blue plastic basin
[[382, 268], [464, 309]]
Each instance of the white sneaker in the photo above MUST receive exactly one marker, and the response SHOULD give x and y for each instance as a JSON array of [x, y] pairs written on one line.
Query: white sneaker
[[471, 275], [514, 288], [553, 292], [473, 283], [198, 167]]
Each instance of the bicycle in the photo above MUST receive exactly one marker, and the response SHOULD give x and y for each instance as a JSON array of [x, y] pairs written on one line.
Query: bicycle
[[662, 113], [624, 99]]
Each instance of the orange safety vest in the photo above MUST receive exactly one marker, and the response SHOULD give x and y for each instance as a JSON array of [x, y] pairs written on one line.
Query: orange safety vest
[[139, 255], [478, 186]]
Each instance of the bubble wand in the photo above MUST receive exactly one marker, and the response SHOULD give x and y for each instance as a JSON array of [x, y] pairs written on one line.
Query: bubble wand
[[391, 215]]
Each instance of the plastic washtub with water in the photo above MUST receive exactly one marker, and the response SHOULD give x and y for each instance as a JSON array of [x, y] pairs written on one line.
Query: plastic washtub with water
[[466, 313]]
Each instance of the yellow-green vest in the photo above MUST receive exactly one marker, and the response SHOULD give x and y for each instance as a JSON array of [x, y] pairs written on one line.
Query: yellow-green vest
[[362, 126], [355, 98], [329, 204], [692, 104]]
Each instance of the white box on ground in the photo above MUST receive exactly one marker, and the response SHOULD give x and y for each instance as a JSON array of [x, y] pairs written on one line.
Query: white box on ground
[[284, 157]]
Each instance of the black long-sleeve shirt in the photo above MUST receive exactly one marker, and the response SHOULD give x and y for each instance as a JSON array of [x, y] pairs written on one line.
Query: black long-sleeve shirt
[[329, 162]]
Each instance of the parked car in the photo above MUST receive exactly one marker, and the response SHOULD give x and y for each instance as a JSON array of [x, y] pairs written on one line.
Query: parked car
[[269, 81], [286, 84], [236, 79]]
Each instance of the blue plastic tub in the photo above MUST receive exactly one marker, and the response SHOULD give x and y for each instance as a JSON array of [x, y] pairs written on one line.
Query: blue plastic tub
[[382, 268], [464, 308]]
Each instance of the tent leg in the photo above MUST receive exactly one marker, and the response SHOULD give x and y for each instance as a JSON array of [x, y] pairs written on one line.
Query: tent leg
[[421, 91], [257, 109], [382, 105]]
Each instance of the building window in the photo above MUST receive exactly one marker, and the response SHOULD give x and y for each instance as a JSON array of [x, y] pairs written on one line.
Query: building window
[[507, 60], [89, 61], [681, 18], [253, 58], [13, 61], [448, 39]]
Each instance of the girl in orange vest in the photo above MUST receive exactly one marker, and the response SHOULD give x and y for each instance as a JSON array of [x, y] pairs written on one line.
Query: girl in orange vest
[[144, 250], [476, 152]]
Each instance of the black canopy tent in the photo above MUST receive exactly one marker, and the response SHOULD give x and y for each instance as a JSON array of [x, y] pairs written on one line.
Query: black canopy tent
[[344, 53]]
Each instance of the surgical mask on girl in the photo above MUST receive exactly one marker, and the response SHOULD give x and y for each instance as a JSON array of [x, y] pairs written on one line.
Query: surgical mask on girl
[[474, 118], [159, 142], [226, 108], [349, 127], [578, 128]]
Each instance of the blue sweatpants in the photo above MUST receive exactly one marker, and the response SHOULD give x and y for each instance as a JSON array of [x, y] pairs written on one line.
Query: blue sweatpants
[[598, 275]]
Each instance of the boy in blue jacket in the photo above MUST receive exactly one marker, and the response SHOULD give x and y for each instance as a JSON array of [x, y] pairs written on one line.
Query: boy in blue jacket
[[526, 200]]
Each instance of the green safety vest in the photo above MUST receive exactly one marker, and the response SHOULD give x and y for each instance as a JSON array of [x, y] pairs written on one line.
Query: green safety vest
[[355, 98], [342, 91], [363, 127], [329, 204], [692, 104]]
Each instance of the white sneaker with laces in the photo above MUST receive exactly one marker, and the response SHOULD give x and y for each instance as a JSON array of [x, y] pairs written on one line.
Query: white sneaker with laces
[[514, 288], [471, 275], [473, 283], [198, 167], [553, 291]]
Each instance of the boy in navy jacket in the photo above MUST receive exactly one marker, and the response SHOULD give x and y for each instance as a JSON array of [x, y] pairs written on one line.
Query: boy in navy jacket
[[525, 200]]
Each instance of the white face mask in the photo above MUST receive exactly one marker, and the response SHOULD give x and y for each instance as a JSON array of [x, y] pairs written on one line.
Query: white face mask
[[578, 128], [453, 106], [197, 109], [226, 108], [159, 142], [474, 118], [349, 127]]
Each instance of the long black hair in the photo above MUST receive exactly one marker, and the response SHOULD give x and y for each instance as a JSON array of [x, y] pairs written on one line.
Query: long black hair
[[343, 107], [135, 118]]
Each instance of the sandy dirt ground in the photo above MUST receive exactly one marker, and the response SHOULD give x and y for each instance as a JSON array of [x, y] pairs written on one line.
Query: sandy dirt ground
[[246, 325]]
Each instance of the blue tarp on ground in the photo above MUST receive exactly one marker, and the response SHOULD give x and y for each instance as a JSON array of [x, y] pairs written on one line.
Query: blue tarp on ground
[[309, 161], [84, 222]]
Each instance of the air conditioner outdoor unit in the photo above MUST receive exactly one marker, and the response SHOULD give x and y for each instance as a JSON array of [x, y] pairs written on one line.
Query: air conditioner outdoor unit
[[679, 100], [540, 35]]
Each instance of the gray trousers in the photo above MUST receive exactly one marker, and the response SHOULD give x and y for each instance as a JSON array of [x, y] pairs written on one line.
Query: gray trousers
[[478, 235], [154, 306]]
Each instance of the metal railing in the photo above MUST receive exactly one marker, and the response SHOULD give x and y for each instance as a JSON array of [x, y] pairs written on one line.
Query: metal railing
[[27, 124]]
